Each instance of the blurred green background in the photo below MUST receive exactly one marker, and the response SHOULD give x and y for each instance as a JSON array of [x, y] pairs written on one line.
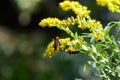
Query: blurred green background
[[22, 41]]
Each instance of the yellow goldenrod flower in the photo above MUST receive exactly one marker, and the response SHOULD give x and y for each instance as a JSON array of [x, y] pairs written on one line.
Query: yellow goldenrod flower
[[76, 7], [94, 26], [113, 5], [71, 48], [51, 22], [97, 35], [50, 50], [66, 5], [51, 47], [69, 21], [63, 43], [91, 24], [102, 2]]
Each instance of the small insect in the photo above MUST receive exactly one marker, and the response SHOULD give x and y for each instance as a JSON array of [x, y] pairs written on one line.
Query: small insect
[[56, 43]]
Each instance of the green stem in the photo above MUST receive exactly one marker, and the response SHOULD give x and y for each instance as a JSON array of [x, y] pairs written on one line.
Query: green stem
[[67, 30], [105, 75]]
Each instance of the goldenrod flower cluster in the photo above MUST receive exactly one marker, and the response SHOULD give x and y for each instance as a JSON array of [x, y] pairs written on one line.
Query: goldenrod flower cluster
[[51, 22], [113, 5], [82, 21], [51, 47], [92, 25], [63, 43], [69, 21], [76, 7], [50, 50], [87, 23]]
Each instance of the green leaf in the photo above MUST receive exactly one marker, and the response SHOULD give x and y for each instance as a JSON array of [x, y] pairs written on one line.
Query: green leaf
[[84, 47], [76, 35], [94, 49], [85, 68], [92, 40], [108, 27]]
